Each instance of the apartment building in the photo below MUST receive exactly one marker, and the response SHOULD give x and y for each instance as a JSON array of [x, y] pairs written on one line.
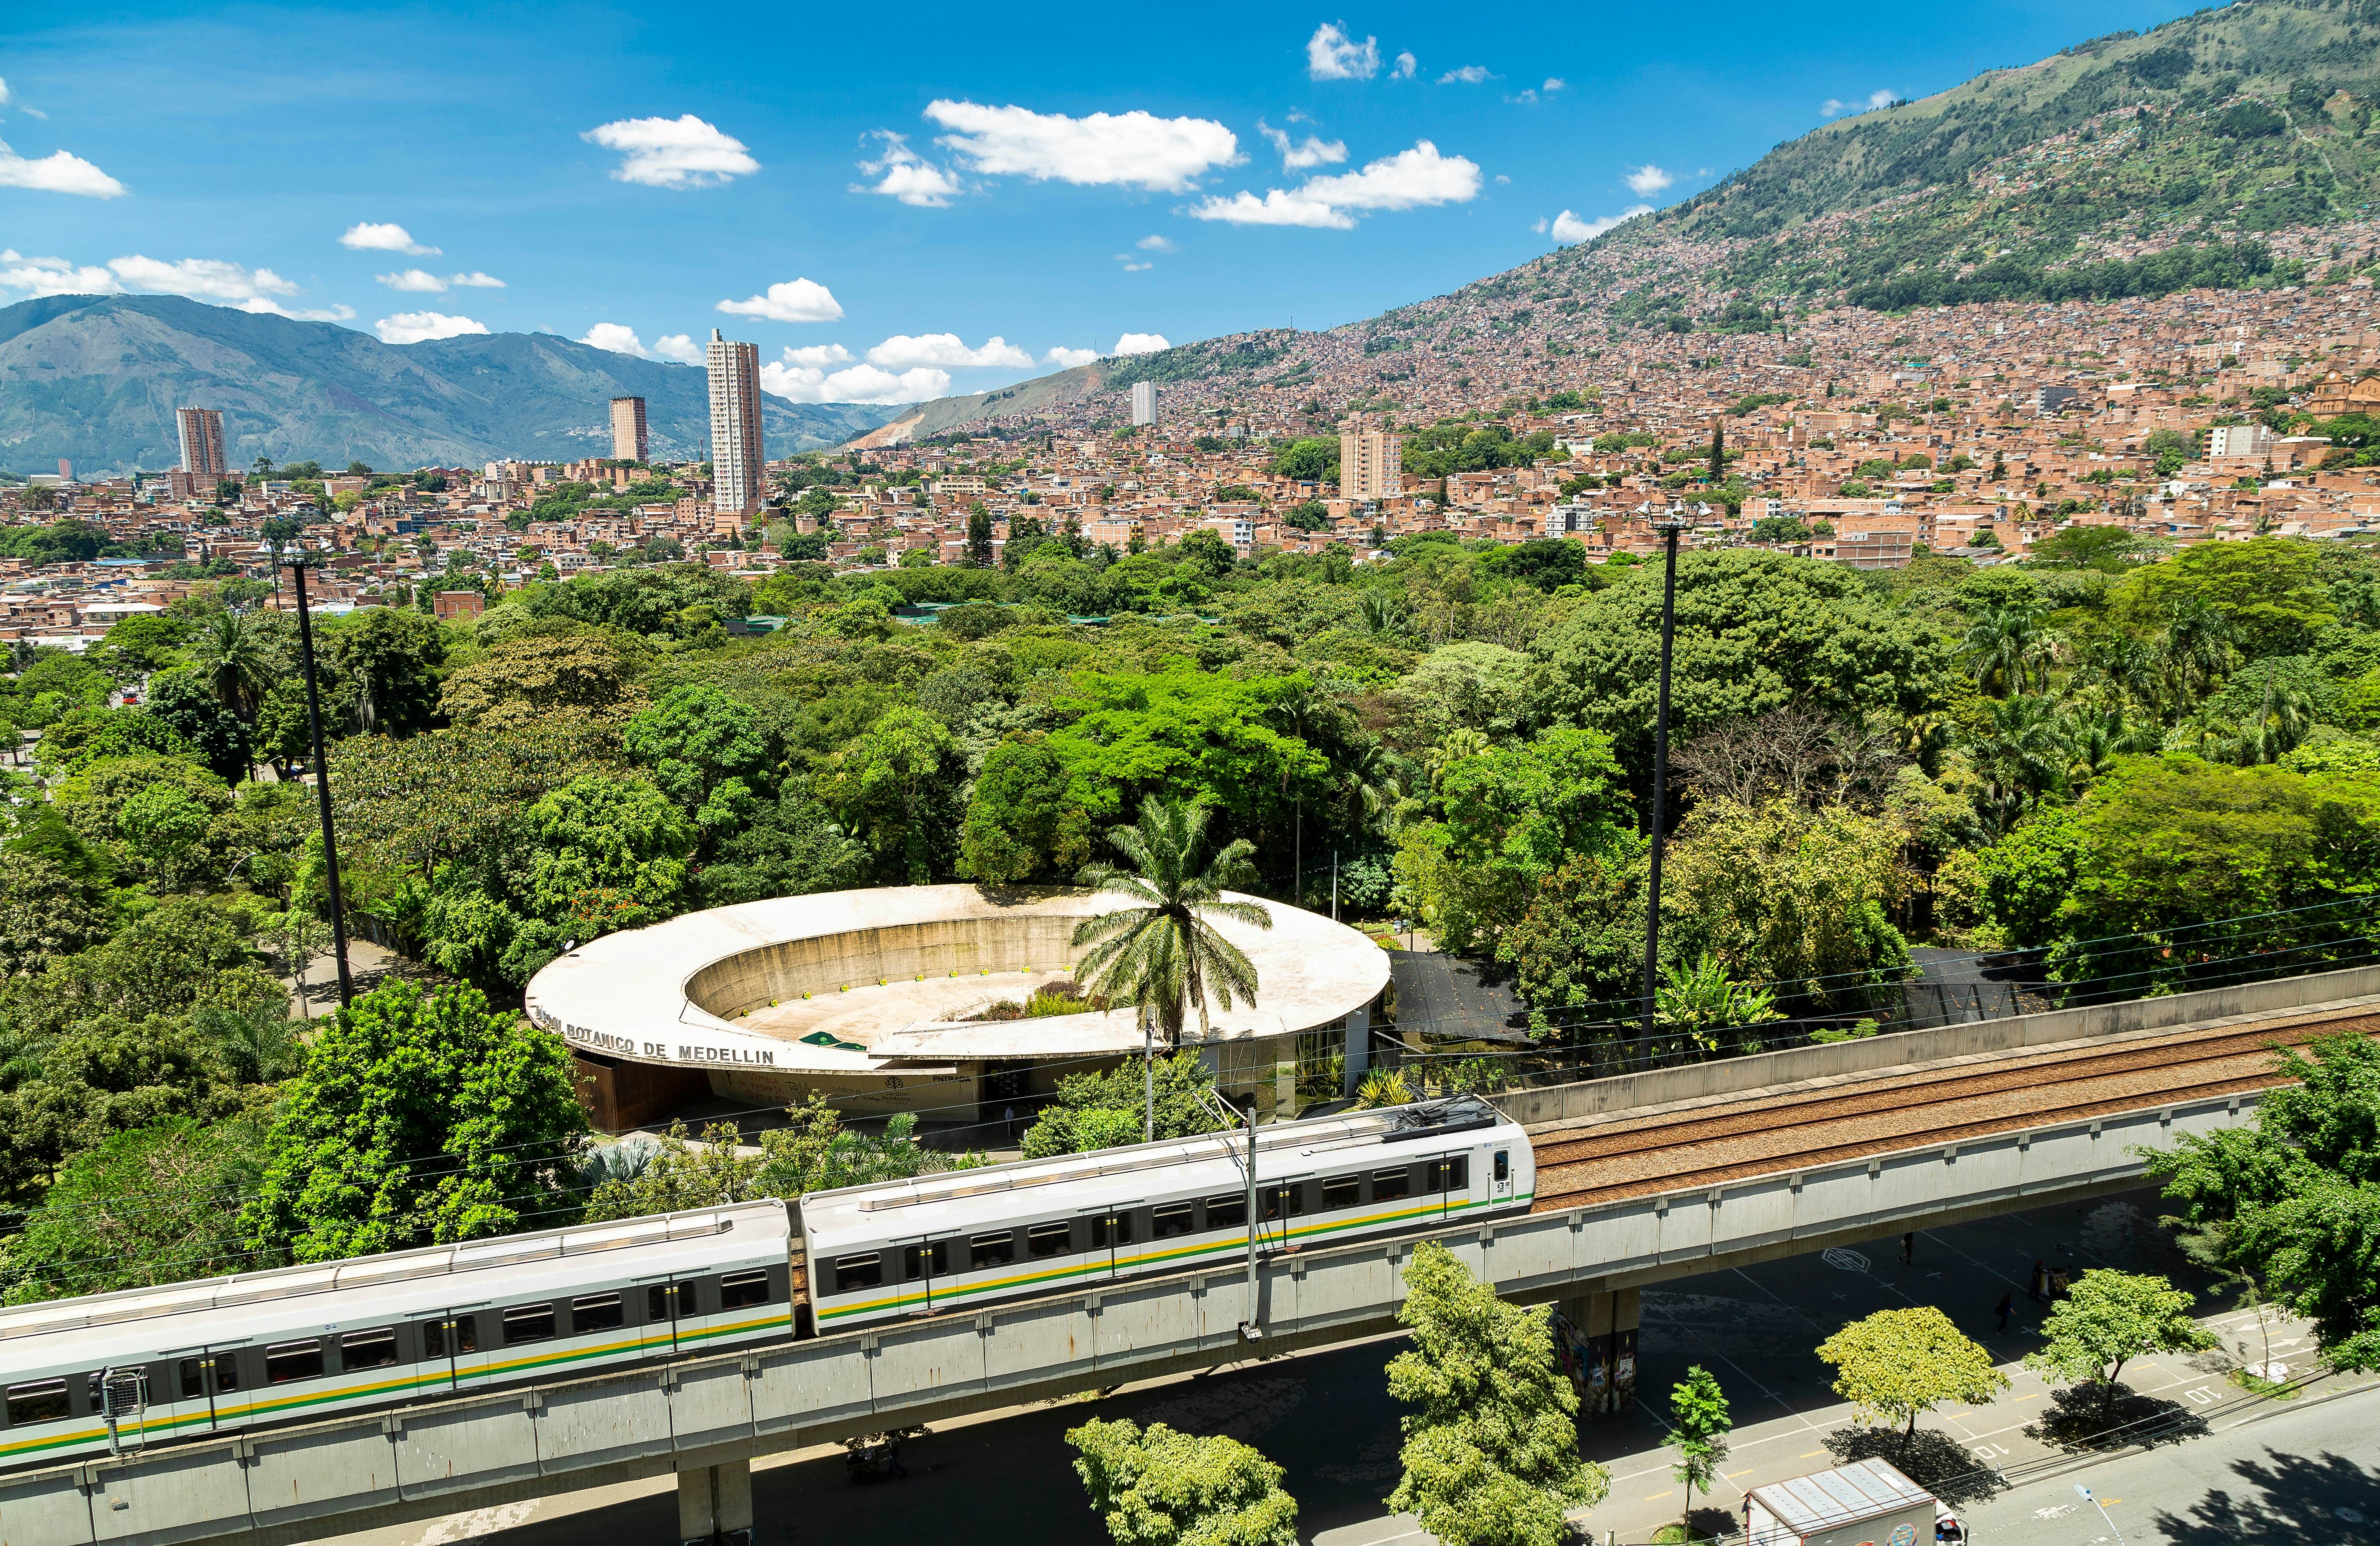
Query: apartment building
[[736, 459], [203, 442], [1370, 465], [628, 437]]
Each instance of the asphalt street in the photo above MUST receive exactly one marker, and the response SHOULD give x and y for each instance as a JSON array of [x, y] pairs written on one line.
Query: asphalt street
[[2238, 1465]]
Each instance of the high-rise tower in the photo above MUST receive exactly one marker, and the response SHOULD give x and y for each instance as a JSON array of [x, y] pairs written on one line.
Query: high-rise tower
[[202, 441], [628, 429], [735, 455]]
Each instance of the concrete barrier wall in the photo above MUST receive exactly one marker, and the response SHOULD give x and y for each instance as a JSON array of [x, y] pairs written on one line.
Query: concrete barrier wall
[[357, 1473], [830, 963], [1765, 1070]]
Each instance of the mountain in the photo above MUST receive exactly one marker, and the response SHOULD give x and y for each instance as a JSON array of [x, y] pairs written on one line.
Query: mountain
[[96, 379], [2238, 146]]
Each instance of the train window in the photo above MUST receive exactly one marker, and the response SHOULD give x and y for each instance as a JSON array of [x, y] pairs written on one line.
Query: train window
[[285, 1361], [992, 1251], [1503, 1166], [668, 1301], [528, 1322], [593, 1313], [1388, 1184], [1227, 1212], [1114, 1229], [925, 1260], [434, 1336], [1290, 1199], [1342, 1191], [1171, 1218], [368, 1349], [1451, 1175], [37, 1401], [738, 1289], [855, 1272], [193, 1379], [226, 1371], [1050, 1240]]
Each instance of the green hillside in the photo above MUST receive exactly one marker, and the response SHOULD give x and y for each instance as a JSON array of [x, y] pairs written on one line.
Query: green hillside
[[96, 379]]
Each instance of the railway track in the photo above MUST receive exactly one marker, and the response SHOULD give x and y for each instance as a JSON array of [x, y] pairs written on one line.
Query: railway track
[[1605, 1159]]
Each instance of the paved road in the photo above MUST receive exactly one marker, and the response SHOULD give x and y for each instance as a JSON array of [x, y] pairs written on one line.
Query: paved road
[[1327, 1420]]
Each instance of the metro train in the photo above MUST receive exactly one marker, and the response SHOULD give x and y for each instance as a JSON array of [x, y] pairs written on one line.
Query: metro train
[[144, 1366]]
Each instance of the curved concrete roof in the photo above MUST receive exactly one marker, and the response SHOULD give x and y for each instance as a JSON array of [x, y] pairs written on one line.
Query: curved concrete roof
[[885, 981]]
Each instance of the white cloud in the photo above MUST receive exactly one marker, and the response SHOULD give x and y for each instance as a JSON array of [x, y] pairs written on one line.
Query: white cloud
[[1464, 74], [412, 279], [1567, 228], [1132, 267], [1835, 105], [617, 337], [1128, 149], [1331, 55], [56, 172], [1554, 83], [1404, 181], [198, 278], [796, 300], [1406, 66], [861, 384], [1316, 151], [1156, 243], [430, 283], [1648, 180], [907, 175], [901, 352], [817, 355], [679, 348], [1070, 359], [415, 327], [1141, 344], [5, 98], [672, 152], [366, 236]]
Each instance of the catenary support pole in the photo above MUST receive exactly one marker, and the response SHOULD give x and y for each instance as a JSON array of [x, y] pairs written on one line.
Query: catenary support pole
[[1670, 530], [323, 783]]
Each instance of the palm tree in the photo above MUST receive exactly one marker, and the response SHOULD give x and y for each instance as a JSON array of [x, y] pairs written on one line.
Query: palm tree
[[1164, 954], [2010, 649], [235, 663], [2197, 653]]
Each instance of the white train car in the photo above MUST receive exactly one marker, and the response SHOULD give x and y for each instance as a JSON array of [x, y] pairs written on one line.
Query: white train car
[[964, 1238], [126, 1371]]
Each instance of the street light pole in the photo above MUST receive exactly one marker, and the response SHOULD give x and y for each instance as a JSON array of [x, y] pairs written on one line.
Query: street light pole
[[1670, 530], [321, 781]]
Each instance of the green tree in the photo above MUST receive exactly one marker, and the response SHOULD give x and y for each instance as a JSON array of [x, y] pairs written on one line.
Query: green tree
[[1103, 1109], [1490, 1453], [151, 1206], [1161, 953], [1315, 460], [1160, 1488], [418, 1119], [386, 663], [1184, 735], [532, 673], [979, 536], [1699, 1426], [2270, 592], [611, 853], [237, 661], [894, 787], [812, 1152], [1021, 822], [706, 751], [2106, 1320], [44, 914], [1896, 1365], [181, 702], [2290, 1200]]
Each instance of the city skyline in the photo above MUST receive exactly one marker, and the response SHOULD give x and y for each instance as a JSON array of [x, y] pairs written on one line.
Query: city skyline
[[889, 233]]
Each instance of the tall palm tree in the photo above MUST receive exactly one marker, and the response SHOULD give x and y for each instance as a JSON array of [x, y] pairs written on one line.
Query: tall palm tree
[[2197, 654], [235, 663], [1162, 954]]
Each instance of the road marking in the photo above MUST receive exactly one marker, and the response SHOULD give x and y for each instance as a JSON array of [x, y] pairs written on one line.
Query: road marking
[[1808, 1453], [1658, 1496]]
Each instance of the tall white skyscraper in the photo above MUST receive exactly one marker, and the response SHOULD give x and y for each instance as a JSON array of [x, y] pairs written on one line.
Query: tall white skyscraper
[[202, 441], [1144, 401], [735, 455]]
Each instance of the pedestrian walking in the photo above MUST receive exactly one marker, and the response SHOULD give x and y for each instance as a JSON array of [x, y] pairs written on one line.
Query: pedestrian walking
[[2008, 1303], [1008, 1122], [1908, 1247], [2040, 1278]]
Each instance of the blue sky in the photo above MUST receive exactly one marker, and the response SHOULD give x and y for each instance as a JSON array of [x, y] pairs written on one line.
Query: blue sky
[[911, 198]]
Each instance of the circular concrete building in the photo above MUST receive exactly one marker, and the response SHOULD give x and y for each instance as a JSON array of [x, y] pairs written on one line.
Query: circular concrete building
[[878, 999]]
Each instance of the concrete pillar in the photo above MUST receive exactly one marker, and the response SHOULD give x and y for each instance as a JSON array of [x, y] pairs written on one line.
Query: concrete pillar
[[714, 1504], [1358, 1059]]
